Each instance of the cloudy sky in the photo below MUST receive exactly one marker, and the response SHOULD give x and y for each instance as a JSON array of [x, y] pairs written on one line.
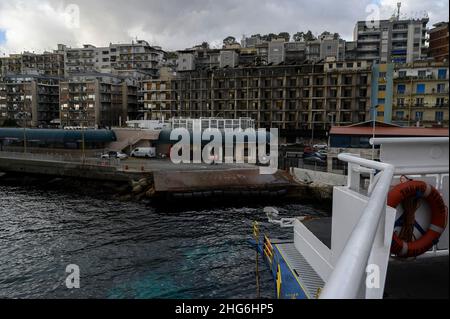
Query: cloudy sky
[[37, 25]]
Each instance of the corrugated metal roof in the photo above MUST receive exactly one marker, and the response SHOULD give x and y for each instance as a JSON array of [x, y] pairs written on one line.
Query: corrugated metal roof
[[389, 131]]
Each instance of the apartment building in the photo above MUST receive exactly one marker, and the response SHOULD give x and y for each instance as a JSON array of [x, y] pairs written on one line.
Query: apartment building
[[420, 96], [137, 59], [438, 47], [46, 64], [30, 101], [96, 101], [393, 40], [382, 92], [138, 55], [293, 98]]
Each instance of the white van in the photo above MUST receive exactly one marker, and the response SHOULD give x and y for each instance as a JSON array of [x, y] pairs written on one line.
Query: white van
[[147, 152]]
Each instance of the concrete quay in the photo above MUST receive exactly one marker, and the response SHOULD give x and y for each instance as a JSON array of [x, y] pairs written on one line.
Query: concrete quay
[[153, 177]]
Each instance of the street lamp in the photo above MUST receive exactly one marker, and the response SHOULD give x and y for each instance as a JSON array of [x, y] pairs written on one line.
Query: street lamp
[[83, 145], [374, 121], [313, 122], [331, 115]]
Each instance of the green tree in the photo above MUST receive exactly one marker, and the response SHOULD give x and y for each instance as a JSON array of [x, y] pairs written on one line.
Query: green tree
[[309, 36], [229, 40], [298, 37], [285, 35]]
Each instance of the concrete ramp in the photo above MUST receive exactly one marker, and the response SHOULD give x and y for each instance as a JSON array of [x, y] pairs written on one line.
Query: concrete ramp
[[207, 180]]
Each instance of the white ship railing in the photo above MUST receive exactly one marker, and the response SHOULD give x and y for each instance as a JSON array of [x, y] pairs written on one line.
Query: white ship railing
[[370, 239], [345, 280]]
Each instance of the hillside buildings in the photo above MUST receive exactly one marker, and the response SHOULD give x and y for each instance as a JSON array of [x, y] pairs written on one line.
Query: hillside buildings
[[439, 38], [31, 101], [96, 101], [292, 98], [393, 40]]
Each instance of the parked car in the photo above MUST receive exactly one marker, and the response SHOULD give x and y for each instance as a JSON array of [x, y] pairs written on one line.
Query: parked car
[[314, 160], [147, 152], [314, 154], [320, 146], [113, 154], [323, 152]]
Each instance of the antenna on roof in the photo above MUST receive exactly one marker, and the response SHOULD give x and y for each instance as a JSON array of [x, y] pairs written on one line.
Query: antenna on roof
[[399, 5]]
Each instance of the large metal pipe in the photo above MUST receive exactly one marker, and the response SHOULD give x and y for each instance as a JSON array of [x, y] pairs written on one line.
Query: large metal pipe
[[347, 276]]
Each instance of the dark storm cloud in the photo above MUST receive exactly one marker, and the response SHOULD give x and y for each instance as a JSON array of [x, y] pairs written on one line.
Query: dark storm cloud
[[177, 24]]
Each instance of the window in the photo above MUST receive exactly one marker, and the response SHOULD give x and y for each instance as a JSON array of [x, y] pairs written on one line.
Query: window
[[422, 74], [441, 88], [401, 88], [419, 116], [380, 114], [381, 101], [399, 115], [440, 101], [442, 74], [400, 102], [439, 116], [382, 88], [402, 74], [419, 102], [420, 88], [382, 75]]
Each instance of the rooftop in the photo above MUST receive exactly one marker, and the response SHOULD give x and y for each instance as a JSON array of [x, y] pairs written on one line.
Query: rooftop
[[390, 131]]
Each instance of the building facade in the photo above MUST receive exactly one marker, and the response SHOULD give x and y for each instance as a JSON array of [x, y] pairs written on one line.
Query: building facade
[[29, 101], [393, 40], [291, 98], [96, 101], [138, 59], [438, 48], [382, 92], [420, 96], [45, 64]]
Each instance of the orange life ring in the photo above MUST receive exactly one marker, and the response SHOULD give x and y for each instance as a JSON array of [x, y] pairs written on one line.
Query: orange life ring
[[438, 223]]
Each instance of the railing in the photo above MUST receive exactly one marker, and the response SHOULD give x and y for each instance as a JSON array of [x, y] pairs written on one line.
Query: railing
[[347, 276]]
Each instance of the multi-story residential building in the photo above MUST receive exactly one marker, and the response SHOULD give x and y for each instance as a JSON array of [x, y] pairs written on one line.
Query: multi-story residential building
[[30, 101], [420, 96], [382, 92], [438, 48], [293, 98], [136, 59], [96, 100], [87, 59], [47, 64], [393, 40], [138, 55]]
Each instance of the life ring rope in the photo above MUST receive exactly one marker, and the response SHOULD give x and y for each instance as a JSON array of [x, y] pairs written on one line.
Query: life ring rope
[[408, 193]]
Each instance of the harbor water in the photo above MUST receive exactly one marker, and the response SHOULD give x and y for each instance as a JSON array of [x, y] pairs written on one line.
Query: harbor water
[[128, 249]]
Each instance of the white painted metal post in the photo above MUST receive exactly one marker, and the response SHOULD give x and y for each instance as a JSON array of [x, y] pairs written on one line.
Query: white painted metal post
[[345, 281]]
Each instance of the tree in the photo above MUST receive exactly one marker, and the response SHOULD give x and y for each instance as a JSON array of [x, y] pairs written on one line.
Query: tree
[[205, 45], [309, 36], [298, 37], [285, 35], [269, 37], [336, 36], [229, 40]]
